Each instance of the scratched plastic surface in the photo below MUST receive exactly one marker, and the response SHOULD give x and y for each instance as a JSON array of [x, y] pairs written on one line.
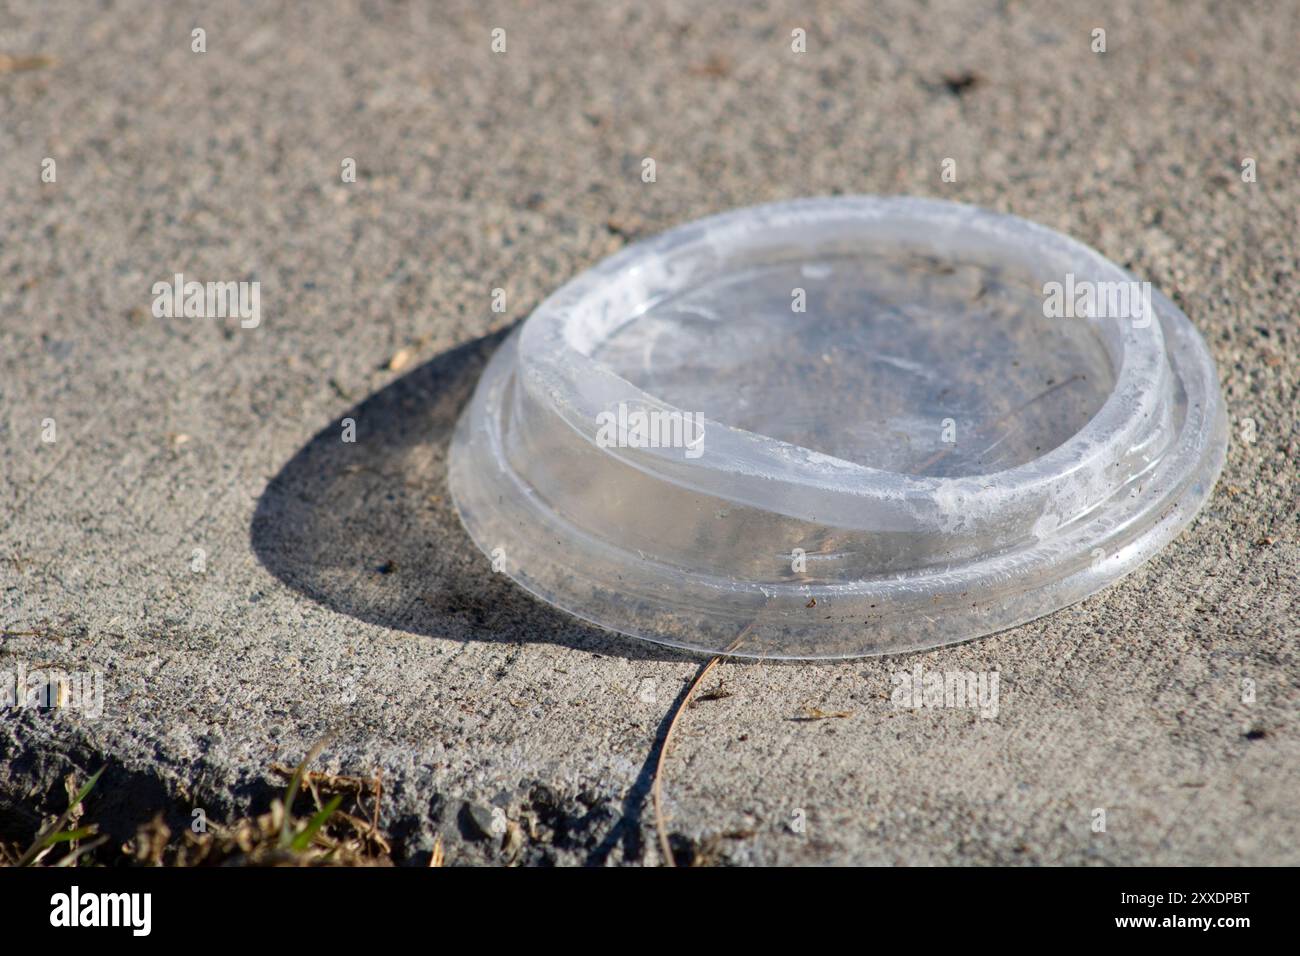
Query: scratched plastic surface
[[883, 441]]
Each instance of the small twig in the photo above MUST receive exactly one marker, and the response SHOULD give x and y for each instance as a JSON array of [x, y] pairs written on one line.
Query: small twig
[[816, 713], [656, 790], [13, 64], [85, 848]]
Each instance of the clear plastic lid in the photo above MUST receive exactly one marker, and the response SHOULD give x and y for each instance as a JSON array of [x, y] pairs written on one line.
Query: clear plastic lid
[[838, 427]]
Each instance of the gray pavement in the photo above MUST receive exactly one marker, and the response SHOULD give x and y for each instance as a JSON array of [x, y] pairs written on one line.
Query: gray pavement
[[245, 582]]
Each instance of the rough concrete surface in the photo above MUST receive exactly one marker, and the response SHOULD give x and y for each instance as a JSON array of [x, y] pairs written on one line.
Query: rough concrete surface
[[337, 591]]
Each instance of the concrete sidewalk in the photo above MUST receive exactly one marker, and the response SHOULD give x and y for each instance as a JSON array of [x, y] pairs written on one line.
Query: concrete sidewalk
[[246, 582]]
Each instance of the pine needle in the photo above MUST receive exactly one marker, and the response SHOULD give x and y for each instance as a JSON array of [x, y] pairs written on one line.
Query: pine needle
[[656, 790]]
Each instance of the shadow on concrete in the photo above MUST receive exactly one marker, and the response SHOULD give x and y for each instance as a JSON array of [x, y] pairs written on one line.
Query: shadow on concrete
[[368, 529]]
